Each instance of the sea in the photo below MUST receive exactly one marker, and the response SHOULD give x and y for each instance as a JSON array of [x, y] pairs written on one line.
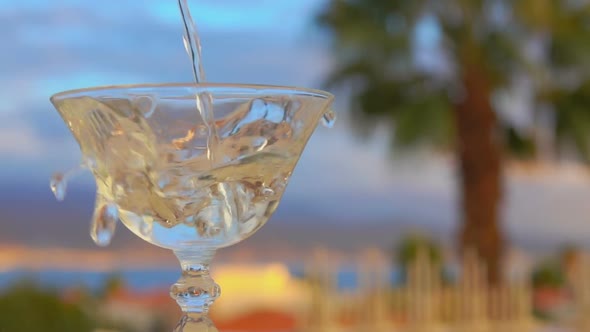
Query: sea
[[140, 279]]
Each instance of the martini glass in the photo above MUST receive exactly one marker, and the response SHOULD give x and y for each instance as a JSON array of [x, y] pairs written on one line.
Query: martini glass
[[161, 173]]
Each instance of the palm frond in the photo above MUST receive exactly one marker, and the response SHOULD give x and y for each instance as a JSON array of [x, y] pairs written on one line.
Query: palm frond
[[572, 111], [518, 144], [374, 44]]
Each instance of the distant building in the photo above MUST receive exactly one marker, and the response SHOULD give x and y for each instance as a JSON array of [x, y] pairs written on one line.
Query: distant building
[[141, 310]]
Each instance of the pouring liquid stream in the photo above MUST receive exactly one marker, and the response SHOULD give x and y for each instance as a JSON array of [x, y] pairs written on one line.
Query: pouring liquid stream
[[204, 102], [192, 44], [105, 215]]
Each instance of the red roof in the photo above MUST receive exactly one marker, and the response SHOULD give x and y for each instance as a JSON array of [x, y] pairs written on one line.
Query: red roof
[[262, 320]]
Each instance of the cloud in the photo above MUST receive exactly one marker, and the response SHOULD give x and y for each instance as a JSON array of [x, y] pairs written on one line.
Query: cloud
[[128, 37], [19, 141], [30, 151], [270, 16]]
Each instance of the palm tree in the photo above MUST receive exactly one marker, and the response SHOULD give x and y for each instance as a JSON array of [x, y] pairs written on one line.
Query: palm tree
[[411, 247], [450, 96]]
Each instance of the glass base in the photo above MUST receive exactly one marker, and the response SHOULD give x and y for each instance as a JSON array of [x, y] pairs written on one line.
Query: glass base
[[195, 322]]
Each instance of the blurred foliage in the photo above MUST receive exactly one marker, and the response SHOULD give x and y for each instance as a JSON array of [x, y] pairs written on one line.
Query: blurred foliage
[[29, 307], [569, 255], [548, 274], [112, 284], [414, 245], [26, 308], [546, 42]]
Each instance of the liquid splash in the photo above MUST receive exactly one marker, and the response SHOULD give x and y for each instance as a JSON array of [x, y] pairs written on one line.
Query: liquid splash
[[58, 186], [104, 222], [59, 182], [329, 118], [106, 214]]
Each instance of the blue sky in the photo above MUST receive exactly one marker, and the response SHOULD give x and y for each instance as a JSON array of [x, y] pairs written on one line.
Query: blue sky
[[49, 46]]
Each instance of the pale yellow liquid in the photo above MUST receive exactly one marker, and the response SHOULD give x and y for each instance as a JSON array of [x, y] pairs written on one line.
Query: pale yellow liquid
[[223, 206], [164, 190]]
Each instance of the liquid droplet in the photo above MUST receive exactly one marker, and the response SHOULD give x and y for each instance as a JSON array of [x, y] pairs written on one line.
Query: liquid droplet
[[104, 223], [59, 182], [329, 118], [58, 186]]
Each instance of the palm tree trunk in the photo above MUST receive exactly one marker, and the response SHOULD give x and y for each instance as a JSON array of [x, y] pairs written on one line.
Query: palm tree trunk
[[479, 156]]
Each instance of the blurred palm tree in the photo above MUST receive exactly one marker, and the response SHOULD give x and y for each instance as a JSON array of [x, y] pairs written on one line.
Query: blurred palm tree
[[414, 245], [441, 73]]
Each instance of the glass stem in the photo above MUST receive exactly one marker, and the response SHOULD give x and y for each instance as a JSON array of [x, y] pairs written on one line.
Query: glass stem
[[195, 291], [195, 322]]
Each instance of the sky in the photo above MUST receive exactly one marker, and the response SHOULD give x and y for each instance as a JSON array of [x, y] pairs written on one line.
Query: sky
[[345, 192]]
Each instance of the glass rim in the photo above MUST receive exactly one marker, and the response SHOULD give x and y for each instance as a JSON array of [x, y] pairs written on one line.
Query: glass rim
[[237, 86]]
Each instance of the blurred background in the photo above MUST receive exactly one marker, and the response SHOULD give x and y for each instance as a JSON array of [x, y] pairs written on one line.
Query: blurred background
[[450, 195]]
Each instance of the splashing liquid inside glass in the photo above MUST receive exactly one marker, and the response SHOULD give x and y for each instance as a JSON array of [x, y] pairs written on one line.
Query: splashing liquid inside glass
[[192, 44], [255, 204]]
